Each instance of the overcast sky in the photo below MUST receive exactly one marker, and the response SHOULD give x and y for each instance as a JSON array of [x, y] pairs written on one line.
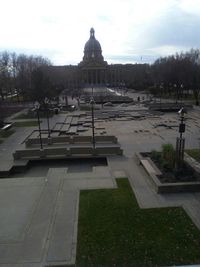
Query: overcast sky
[[129, 31]]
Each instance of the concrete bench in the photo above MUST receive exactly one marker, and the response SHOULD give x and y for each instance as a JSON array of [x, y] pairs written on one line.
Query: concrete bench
[[72, 130], [148, 167], [6, 127], [65, 128], [26, 154]]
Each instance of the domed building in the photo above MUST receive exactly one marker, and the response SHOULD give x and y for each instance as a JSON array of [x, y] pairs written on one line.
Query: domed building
[[93, 71], [93, 67]]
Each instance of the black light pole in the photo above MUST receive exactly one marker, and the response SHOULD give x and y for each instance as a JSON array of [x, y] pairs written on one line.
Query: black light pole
[[37, 106], [92, 108], [180, 142], [176, 89], [46, 100]]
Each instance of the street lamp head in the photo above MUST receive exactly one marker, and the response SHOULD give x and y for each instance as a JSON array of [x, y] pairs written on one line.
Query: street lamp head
[[37, 105], [46, 100], [92, 101], [182, 112]]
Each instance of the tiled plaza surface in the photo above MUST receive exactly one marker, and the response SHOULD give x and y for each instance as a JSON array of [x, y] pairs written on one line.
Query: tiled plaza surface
[[39, 210]]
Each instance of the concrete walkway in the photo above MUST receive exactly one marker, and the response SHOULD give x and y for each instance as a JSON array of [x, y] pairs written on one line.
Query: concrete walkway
[[145, 193], [39, 216]]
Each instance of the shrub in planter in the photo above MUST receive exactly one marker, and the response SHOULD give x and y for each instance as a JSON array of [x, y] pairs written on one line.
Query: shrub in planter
[[168, 156], [155, 155]]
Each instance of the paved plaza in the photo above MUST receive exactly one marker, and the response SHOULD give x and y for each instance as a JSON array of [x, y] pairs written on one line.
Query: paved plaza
[[39, 208]]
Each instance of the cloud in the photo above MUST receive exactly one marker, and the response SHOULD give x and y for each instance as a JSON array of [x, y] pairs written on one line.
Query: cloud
[[126, 29]]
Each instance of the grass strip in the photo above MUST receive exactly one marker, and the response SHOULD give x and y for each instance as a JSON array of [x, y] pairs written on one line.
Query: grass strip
[[33, 116], [114, 231], [195, 153], [7, 133], [25, 123]]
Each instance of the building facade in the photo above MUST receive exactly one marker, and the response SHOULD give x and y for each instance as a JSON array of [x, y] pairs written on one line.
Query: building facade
[[93, 70]]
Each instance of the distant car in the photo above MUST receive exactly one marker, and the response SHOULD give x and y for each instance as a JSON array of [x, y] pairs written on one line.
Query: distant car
[[124, 105], [56, 110], [72, 107], [108, 104]]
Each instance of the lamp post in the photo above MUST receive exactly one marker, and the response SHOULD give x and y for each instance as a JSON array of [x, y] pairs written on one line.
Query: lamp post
[[46, 101], [161, 89], [180, 141], [181, 92], [92, 90], [37, 107], [176, 92], [92, 109]]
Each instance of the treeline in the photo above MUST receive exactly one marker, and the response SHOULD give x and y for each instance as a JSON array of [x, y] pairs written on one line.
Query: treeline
[[32, 78], [177, 75], [20, 74]]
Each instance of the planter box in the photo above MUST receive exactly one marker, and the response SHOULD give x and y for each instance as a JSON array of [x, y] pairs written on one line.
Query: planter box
[[170, 187]]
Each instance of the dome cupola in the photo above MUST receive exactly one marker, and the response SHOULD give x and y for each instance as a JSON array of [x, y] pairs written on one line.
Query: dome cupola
[[92, 49]]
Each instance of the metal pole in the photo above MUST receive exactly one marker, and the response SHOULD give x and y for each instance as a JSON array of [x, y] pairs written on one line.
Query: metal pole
[[48, 123], [93, 138], [39, 129]]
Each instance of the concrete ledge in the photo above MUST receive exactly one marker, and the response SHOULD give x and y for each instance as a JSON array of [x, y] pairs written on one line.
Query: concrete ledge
[[70, 140], [166, 187], [106, 138], [81, 150], [64, 152], [192, 163], [109, 150], [6, 127], [26, 153], [81, 139]]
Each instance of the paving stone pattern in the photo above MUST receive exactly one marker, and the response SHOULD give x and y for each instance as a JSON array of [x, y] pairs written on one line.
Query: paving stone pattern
[[39, 215]]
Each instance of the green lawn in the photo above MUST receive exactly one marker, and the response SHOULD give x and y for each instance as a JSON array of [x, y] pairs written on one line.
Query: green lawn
[[7, 133], [26, 123], [195, 153], [88, 108], [33, 116], [114, 231]]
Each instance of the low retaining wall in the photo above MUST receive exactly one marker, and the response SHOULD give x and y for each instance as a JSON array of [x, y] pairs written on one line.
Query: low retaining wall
[[192, 163], [63, 152], [71, 140], [169, 187]]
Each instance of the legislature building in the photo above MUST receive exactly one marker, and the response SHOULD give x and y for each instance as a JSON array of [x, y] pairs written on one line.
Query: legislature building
[[93, 70]]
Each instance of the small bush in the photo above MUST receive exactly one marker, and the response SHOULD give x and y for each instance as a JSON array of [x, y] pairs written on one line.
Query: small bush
[[168, 156], [155, 155]]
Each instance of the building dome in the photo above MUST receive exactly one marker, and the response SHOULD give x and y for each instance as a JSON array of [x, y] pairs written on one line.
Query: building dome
[[92, 49], [92, 44]]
